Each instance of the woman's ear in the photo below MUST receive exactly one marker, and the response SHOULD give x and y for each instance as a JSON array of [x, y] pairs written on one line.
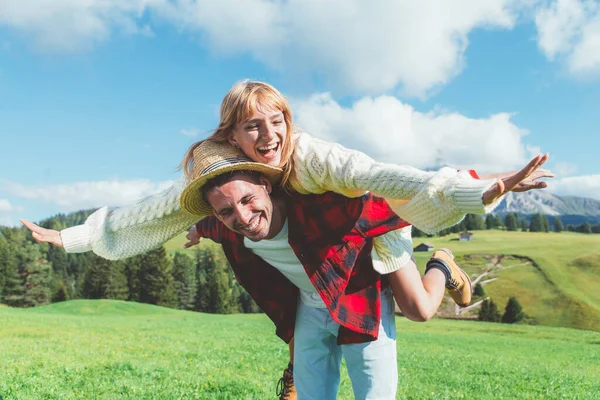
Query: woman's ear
[[232, 141]]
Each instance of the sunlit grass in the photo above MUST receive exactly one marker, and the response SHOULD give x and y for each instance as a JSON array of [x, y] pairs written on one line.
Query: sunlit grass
[[110, 349]]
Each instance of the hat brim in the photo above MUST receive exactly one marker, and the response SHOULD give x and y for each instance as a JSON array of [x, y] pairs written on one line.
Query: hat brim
[[191, 198]]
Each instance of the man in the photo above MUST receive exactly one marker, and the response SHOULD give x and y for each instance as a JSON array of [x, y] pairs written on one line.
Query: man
[[306, 261]]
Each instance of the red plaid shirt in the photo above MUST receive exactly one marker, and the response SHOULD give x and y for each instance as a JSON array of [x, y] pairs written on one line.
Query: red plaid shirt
[[332, 237]]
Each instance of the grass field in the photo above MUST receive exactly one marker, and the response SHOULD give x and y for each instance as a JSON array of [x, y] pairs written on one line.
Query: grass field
[[103, 349], [560, 287]]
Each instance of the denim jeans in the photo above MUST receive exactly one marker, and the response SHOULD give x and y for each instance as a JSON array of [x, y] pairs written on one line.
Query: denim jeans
[[372, 366]]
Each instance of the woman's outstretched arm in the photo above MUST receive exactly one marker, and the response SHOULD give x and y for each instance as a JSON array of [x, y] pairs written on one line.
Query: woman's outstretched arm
[[429, 200], [121, 232]]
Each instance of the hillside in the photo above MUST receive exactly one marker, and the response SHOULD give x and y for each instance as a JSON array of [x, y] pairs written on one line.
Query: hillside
[[114, 349], [561, 285]]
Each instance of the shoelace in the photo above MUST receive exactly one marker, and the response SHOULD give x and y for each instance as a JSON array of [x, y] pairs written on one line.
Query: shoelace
[[453, 284], [284, 386]]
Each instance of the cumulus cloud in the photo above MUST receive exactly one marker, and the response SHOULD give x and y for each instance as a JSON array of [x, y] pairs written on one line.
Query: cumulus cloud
[[6, 207], [81, 195], [190, 132], [564, 169], [6, 211], [73, 25], [359, 46], [570, 29], [580, 186], [392, 131]]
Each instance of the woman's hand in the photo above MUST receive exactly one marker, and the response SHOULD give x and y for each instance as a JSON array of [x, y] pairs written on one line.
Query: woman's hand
[[519, 181], [43, 235], [193, 237]]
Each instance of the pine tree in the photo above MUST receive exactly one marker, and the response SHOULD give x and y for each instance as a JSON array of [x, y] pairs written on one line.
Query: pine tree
[[479, 291], [490, 221], [586, 228], [156, 281], [513, 311], [8, 263], [105, 279], [14, 288], [489, 311], [95, 279], [116, 285], [184, 274], [416, 232], [499, 222], [545, 224], [511, 221], [558, 225], [214, 290], [58, 258], [61, 294], [536, 224], [524, 225], [474, 222], [132, 272], [35, 273]]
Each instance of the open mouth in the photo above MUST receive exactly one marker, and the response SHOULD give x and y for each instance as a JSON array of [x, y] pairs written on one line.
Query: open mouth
[[269, 151], [253, 227]]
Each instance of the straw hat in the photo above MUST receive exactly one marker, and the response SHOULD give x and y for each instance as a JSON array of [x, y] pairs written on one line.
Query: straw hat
[[211, 159]]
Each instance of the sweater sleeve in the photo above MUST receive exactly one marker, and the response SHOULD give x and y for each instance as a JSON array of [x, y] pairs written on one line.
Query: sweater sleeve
[[392, 250], [117, 233], [431, 201]]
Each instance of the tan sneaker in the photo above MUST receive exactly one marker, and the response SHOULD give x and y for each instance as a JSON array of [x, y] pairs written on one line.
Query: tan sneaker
[[458, 282], [285, 387]]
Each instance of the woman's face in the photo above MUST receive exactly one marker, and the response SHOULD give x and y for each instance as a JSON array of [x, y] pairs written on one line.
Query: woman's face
[[261, 136]]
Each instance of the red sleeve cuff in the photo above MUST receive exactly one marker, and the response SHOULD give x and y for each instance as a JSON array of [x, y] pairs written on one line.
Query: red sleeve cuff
[[473, 173]]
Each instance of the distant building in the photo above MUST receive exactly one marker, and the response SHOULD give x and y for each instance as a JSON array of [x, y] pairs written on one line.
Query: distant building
[[424, 247], [465, 237]]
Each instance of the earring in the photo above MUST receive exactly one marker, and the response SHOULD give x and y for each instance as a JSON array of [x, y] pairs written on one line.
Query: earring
[[236, 146]]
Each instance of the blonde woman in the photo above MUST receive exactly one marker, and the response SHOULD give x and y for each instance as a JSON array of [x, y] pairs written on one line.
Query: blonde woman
[[257, 119]]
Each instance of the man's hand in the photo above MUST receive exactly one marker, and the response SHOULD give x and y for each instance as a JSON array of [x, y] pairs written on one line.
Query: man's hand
[[193, 237], [43, 235], [519, 181]]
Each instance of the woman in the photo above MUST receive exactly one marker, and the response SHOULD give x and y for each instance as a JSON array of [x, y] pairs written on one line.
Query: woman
[[256, 118]]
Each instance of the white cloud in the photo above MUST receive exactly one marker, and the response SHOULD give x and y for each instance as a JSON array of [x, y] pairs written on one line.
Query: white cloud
[[190, 132], [389, 130], [6, 207], [359, 46], [6, 211], [73, 25], [564, 169], [81, 195], [580, 186], [570, 29]]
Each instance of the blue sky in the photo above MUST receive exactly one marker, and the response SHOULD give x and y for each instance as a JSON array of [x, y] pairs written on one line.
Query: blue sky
[[100, 99]]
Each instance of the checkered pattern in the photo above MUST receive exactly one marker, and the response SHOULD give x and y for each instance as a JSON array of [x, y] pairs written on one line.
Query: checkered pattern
[[332, 237]]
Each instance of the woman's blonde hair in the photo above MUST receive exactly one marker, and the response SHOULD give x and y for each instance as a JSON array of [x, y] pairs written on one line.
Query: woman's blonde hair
[[239, 104]]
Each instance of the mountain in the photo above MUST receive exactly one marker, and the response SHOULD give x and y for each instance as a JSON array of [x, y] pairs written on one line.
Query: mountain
[[569, 208]]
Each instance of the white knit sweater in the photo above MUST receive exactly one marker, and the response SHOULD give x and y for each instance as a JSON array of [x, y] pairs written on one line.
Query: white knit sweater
[[429, 200]]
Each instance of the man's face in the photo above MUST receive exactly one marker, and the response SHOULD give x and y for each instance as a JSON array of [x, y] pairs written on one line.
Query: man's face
[[244, 206]]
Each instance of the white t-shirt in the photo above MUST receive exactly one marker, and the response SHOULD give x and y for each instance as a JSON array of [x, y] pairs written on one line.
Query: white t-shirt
[[278, 253]]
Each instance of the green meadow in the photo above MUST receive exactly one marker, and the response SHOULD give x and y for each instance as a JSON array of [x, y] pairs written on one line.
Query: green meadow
[[555, 276], [105, 349]]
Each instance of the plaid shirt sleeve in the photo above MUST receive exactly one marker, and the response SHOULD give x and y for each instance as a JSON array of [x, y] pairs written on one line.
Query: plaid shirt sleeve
[[377, 217], [213, 229]]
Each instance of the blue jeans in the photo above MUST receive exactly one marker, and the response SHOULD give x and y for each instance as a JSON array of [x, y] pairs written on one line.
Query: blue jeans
[[371, 366]]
